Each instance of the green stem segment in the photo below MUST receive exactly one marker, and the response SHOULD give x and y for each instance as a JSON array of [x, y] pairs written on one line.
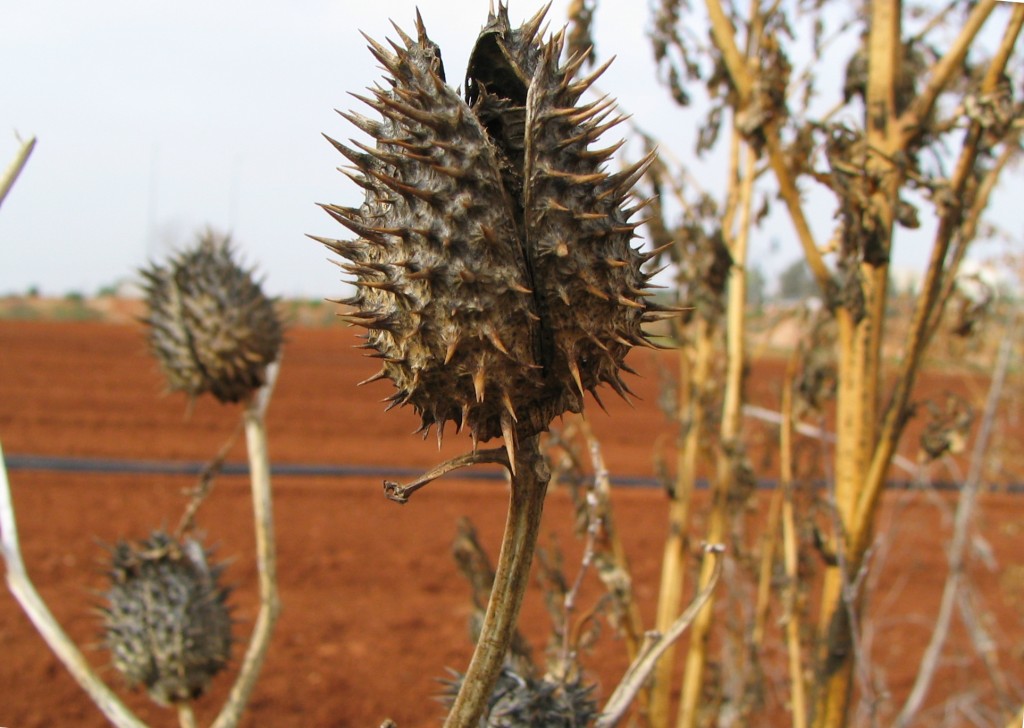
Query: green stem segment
[[526, 505]]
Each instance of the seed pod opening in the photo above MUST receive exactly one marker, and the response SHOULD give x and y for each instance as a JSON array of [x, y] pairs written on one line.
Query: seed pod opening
[[166, 621], [493, 264], [211, 327]]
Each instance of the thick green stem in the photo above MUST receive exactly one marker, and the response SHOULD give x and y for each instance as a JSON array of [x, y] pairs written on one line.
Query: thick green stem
[[526, 504]]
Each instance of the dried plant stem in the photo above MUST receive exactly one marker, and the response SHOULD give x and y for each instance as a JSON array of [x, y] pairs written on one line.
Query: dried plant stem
[[860, 339], [769, 544], [18, 164], [186, 716], [729, 430], [790, 553], [864, 451], [724, 37], [1011, 149], [984, 645], [693, 386], [1018, 720], [943, 71], [655, 647], [929, 301], [400, 493], [205, 484], [266, 554], [958, 544], [25, 593], [609, 545], [526, 505]]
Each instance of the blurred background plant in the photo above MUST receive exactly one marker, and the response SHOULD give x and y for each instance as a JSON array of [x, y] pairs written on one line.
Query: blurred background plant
[[905, 148], [165, 616]]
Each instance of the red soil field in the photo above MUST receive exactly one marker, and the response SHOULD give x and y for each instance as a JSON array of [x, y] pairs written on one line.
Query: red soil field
[[374, 609]]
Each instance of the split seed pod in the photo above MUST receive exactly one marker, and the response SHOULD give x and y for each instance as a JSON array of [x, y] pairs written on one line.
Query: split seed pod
[[493, 266], [166, 621], [210, 325]]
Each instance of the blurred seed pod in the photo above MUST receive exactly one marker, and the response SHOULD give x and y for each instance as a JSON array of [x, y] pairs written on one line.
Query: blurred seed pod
[[520, 701], [947, 428], [210, 325], [166, 620], [493, 265], [972, 304]]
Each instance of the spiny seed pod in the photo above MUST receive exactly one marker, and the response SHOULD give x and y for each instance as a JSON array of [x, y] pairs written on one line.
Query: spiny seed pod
[[210, 325], [524, 702], [493, 264], [166, 621]]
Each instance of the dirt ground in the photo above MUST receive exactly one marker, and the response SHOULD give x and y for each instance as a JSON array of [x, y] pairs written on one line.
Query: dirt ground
[[374, 610]]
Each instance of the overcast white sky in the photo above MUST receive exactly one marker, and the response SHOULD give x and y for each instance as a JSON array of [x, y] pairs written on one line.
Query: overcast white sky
[[156, 119]]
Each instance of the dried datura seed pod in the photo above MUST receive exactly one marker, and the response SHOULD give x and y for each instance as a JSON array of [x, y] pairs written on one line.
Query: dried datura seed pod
[[166, 621], [521, 701], [493, 266], [210, 325]]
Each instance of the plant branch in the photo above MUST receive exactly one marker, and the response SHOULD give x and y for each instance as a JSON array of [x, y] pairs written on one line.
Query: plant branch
[[18, 164], [205, 484], [693, 384], [186, 716], [969, 228], [729, 431], [641, 668], [984, 645], [928, 300], [526, 505], [943, 70], [266, 553], [958, 545], [612, 562], [790, 553], [400, 493], [725, 39], [25, 593]]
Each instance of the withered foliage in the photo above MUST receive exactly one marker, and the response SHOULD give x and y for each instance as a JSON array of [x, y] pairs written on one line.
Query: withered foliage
[[947, 427]]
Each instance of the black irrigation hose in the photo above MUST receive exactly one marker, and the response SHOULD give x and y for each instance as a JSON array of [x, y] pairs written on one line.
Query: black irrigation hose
[[113, 466]]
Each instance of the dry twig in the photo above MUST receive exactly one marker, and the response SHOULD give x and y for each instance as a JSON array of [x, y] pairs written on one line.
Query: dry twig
[[655, 646], [266, 553], [25, 593], [958, 545], [18, 164]]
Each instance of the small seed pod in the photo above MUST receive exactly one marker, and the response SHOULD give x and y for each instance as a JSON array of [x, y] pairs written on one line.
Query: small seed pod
[[493, 266], [210, 326], [166, 621], [520, 701]]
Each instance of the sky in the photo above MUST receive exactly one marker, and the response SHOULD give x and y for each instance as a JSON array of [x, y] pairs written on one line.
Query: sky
[[157, 120]]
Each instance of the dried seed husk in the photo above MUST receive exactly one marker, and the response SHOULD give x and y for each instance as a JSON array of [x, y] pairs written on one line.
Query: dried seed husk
[[523, 701], [493, 263], [210, 326], [166, 620]]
